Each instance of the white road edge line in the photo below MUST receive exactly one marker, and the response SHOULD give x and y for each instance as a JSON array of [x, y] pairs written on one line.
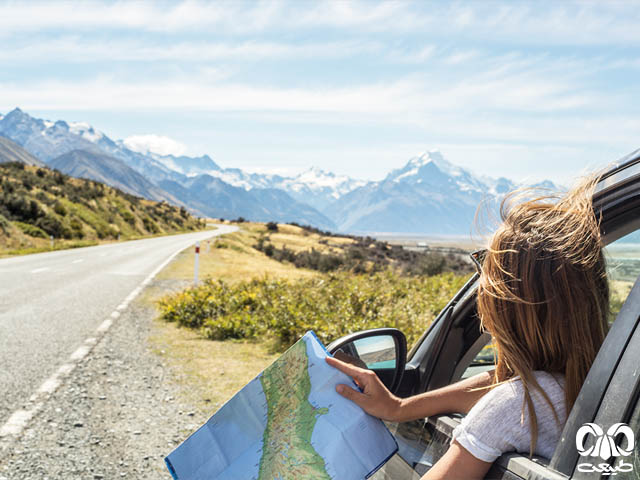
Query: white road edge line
[[38, 270], [19, 420]]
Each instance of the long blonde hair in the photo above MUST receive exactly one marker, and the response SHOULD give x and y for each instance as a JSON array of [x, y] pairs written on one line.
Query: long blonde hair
[[543, 293]]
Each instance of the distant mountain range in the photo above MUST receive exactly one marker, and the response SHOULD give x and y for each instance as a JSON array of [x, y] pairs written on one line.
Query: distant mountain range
[[12, 152], [428, 195]]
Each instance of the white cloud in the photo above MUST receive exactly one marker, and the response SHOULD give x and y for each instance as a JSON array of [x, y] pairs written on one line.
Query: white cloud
[[505, 83], [461, 57], [75, 49], [196, 95], [525, 23], [419, 55], [155, 144]]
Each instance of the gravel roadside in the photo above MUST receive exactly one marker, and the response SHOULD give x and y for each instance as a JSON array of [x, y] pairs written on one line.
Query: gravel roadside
[[116, 416]]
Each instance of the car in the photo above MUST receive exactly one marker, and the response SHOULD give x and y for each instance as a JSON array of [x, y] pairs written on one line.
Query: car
[[453, 347]]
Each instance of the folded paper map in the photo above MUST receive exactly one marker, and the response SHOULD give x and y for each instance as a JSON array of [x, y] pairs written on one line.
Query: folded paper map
[[287, 423]]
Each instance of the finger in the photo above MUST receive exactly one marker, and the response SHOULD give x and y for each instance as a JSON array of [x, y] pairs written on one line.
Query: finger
[[351, 394], [355, 372], [343, 357]]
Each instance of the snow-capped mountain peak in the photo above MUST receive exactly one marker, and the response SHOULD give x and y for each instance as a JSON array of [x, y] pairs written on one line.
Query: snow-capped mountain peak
[[320, 186], [316, 177], [43, 138], [189, 166], [86, 131], [428, 194], [436, 158], [431, 169]]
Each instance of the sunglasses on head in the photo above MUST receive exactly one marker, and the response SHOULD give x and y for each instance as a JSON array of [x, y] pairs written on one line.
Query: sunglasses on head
[[477, 258]]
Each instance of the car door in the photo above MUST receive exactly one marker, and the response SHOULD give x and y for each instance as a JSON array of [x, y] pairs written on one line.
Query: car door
[[617, 407], [450, 348]]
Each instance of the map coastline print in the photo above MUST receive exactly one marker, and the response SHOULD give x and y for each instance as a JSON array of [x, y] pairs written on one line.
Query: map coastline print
[[287, 423]]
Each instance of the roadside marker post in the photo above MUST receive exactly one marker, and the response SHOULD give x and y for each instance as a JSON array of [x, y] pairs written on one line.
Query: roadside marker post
[[195, 265], [51, 238]]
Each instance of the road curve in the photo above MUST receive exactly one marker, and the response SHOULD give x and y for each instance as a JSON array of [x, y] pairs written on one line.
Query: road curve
[[51, 302]]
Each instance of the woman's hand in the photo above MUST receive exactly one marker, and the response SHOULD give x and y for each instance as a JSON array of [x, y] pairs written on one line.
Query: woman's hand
[[374, 399]]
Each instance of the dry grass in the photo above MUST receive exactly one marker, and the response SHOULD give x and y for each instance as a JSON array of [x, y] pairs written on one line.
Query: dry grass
[[620, 289], [298, 239], [40, 245], [232, 258], [20, 244], [211, 372]]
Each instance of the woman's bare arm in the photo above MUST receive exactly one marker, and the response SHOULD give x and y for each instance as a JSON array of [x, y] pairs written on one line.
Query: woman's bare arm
[[455, 398], [376, 400], [457, 464]]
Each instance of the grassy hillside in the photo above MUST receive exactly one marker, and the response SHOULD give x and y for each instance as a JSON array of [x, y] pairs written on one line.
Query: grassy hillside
[[36, 203]]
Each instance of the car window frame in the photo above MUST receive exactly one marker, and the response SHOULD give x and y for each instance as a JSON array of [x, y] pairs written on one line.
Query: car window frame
[[621, 394], [618, 204]]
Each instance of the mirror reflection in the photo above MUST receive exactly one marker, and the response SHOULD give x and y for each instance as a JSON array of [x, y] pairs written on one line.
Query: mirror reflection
[[373, 352]]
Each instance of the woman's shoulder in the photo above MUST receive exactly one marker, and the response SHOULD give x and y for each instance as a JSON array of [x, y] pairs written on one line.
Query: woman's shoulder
[[546, 381], [500, 418], [511, 394]]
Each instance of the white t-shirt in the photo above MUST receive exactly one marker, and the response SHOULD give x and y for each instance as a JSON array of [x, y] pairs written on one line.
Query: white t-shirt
[[493, 426]]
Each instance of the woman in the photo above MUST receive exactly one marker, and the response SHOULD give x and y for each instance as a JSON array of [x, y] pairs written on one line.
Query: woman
[[543, 296]]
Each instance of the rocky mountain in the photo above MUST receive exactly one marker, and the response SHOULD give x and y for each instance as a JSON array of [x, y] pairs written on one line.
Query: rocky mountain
[[217, 198], [111, 171], [317, 187], [429, 195], [12, 152], [204, 165], [314, 186], [42, 138], [79, 133], [189, 166], [199, 183]]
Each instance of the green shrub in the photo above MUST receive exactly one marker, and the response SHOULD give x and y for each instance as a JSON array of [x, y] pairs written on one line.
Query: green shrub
[[332, 305], [76, 227], [22, 209], [366, 255], [53, 226], [128, 217], [150, 225], [31, 230], [60, 209], [5, 224]]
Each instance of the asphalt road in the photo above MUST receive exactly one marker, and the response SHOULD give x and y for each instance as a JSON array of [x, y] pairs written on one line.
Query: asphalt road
[[50, 303]]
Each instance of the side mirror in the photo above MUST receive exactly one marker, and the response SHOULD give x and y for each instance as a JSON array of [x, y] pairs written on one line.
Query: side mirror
[[383, 350]]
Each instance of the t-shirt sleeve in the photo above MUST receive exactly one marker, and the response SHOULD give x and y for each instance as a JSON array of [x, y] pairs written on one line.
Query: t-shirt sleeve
[[493, 426]]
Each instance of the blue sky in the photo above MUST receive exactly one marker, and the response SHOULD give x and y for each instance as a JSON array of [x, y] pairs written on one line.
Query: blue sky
[[517, 89]]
